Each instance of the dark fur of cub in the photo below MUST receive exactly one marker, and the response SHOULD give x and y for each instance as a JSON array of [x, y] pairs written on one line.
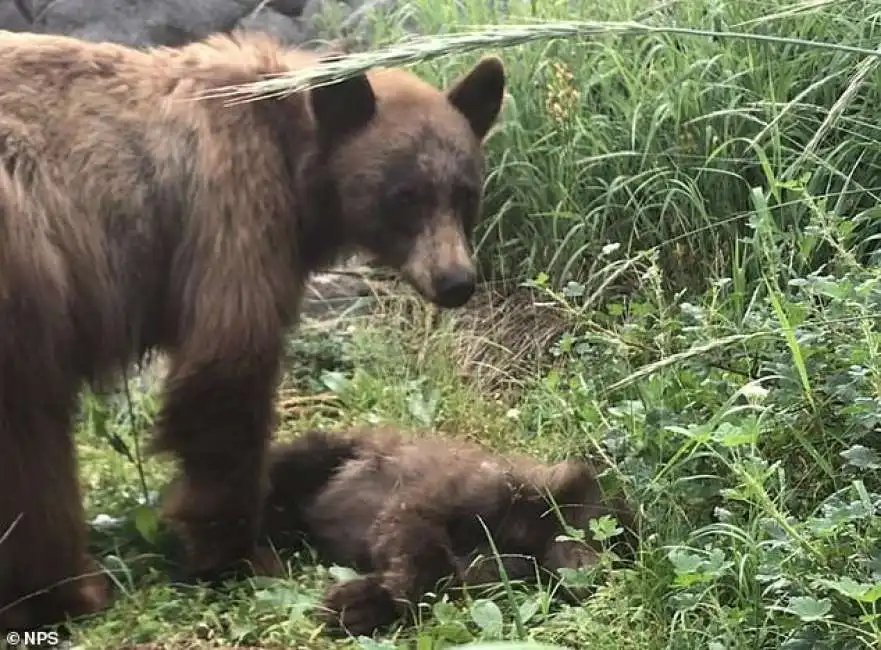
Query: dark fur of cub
[[406, 512]]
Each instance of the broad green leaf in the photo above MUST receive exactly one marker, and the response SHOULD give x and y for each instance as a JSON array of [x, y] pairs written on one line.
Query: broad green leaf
[[809, 609], [146, 522], [334, 381], [444, 611], [859, 591], [604, 527], [862, 457], [487, 615], [529, 608]]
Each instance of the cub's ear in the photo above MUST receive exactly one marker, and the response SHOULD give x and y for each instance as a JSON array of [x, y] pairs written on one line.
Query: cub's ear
[[572, 482], [343, 107], [479, 94]]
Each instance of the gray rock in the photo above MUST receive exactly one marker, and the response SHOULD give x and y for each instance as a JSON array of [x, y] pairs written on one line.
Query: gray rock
[[141, 23], [11, 18], [290, 8], [290, 31], [144, 23]]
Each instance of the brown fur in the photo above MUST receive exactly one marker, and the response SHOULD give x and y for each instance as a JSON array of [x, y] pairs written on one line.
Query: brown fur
[[404, 512], [133, 217]]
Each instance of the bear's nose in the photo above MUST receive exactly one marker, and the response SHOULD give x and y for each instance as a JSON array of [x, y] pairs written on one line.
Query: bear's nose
[[455, 287]]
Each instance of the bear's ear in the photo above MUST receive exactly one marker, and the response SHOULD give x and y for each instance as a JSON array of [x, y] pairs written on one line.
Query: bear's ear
[[479, 94], [343, 107], [572, 482]]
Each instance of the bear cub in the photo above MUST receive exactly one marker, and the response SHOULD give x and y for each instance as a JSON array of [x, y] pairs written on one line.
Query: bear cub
[[406, 512]]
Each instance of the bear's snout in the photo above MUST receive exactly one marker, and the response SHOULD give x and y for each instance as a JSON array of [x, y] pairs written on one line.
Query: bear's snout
[[439, 266], [454, 287]]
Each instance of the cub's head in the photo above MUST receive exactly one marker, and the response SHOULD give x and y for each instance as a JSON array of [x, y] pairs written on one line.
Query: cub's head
[[528, 526], [575, 490], [406, 168]]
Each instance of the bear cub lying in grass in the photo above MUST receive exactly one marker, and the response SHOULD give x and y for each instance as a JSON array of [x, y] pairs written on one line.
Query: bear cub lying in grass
[[406, 513]]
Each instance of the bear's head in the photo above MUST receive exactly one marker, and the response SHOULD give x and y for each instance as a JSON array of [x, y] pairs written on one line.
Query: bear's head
[[405, 166], [570, 492], [526, 517]]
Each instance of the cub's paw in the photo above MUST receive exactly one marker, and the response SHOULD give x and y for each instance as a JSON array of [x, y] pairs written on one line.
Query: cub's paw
[[358, 607]]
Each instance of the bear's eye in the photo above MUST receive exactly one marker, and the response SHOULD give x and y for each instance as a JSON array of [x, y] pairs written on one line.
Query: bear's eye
[[465, 197], [404, 196]]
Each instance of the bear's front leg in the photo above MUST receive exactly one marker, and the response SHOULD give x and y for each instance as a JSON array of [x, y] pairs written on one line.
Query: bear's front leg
[[217, 418]]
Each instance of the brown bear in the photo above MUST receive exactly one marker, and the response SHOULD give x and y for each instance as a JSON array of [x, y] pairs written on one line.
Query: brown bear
[[136, 216], [406, 512]]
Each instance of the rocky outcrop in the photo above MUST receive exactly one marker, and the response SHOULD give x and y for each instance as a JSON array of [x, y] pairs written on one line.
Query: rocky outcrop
[[142, 23]]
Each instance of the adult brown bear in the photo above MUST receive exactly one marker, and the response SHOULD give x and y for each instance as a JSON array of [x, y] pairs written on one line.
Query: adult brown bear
[[407, 512], [133, 217]]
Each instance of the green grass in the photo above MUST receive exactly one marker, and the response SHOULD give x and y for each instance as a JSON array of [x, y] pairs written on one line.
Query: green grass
[[657, 140], [698, 216], [746, 427]]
